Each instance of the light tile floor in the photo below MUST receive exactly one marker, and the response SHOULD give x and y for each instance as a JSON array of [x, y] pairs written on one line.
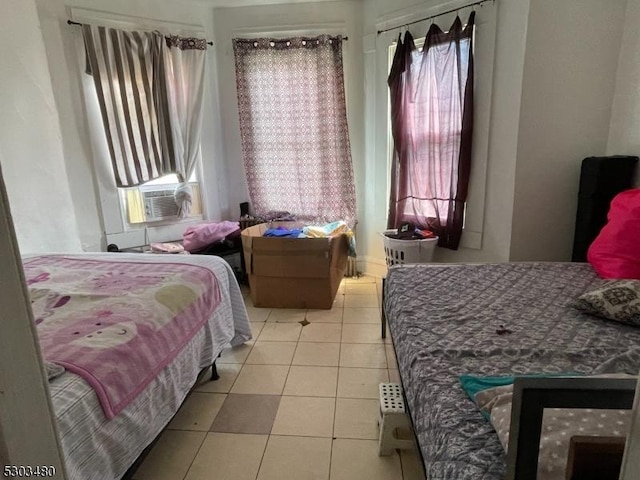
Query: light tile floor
[[294, 402]]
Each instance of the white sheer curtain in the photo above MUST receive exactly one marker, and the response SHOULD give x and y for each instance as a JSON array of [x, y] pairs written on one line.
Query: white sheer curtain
[[431, 94], [184, 61]]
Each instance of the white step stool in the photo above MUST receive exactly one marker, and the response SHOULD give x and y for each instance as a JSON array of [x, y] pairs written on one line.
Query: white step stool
[[393, 416]]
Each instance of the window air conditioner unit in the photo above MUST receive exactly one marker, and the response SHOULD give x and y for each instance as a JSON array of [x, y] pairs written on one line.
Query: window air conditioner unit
[[159, 205]]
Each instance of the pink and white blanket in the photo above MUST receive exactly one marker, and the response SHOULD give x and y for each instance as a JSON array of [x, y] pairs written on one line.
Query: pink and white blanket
[[117, 324]]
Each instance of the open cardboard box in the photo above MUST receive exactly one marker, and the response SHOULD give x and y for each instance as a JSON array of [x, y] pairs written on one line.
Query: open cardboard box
[[293, 272]]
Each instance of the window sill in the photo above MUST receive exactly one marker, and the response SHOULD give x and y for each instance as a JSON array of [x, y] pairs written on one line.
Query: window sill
[[145, 234]]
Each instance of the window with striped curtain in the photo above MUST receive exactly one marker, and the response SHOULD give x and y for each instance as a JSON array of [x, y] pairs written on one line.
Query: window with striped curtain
[[150, 92], [127, 72]]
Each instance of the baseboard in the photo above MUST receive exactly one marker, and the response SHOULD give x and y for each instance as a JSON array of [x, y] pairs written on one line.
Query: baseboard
[[374, 267]]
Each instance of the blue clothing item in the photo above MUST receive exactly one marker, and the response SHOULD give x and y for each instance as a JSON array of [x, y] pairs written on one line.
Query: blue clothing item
[[473, 385], [282, 232]]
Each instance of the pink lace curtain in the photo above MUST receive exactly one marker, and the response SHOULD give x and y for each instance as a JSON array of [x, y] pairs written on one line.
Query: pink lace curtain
[[293, 125], [432, 121]]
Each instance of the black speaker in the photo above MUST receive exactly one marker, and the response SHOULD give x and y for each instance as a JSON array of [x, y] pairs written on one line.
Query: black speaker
[[244, 209], [601, 179]]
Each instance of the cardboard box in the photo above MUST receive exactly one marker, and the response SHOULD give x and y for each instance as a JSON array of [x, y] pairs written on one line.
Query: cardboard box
[[293, 272]]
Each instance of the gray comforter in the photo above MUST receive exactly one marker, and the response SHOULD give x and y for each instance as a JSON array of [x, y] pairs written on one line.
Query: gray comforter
[[444, 322]]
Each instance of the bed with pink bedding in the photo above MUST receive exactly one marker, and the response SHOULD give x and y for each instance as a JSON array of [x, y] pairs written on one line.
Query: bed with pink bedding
[[132, 332]]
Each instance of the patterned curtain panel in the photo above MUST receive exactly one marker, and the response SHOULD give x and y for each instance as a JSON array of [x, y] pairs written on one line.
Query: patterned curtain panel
[[128, 74], [293, 124], [184, 61], [432, 123]]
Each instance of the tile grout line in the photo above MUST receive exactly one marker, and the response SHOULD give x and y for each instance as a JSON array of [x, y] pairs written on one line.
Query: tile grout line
[[298, 341], [399, 452], [335, 406], [244, 362], [380, 295], [290, 365], [264, 452], [196, 455], [279, 404]]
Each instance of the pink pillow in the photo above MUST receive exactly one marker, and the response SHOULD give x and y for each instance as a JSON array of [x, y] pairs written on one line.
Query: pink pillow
[[615, 253]]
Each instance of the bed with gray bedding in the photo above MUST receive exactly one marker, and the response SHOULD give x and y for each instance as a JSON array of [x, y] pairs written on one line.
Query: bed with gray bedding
[[494, 319]]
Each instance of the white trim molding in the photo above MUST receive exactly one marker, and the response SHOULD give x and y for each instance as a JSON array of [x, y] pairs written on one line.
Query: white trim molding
[[374, 267], [114, 20], [311, 29]]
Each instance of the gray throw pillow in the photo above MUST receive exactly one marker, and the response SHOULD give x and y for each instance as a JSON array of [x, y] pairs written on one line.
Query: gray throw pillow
[[617, 300]]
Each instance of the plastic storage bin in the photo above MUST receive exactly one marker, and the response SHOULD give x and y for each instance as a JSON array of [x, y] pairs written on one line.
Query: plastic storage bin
[[408, 251]]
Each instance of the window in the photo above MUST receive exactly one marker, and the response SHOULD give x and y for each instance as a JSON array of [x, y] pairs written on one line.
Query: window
[[431, 111], [149, 89], [153, 201], [293, 123], [444, 137]]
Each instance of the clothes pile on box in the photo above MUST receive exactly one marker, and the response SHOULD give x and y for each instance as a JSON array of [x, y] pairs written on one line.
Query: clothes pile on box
[[332, 229]]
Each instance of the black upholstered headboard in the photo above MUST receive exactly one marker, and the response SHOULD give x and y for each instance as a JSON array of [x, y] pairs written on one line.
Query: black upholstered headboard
[[601, 179]]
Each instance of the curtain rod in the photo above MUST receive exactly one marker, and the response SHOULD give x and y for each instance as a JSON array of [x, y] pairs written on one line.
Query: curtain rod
[[253, 39], [479, 2], [71, 22]]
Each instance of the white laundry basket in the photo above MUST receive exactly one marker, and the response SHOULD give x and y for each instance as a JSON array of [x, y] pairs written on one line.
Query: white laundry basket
[[407, 251]]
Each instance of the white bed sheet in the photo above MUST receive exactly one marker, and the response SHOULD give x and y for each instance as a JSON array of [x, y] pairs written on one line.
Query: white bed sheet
[[97, 448]]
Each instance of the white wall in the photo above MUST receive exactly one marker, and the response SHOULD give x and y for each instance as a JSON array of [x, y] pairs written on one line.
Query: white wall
[[528, 63], [282, 20], [75, 136], [552, 80], [31, 150], [624, 132], [31, 158], [567, 92], [503, 135], [82, 153]]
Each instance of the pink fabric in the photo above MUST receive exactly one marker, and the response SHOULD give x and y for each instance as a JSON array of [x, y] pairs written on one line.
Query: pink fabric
[[615, 253], [117, 324], [202, 235]]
